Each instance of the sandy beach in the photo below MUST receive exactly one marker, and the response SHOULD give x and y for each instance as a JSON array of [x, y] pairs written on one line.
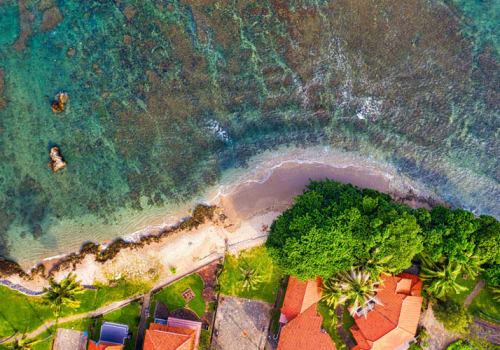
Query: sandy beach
[[244, 211]]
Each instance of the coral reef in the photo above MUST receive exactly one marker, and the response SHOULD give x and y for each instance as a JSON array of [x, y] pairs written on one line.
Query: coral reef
[[51, 18], [57, 162]]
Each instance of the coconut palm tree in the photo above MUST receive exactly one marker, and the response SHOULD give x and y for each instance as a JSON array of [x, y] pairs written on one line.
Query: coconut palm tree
[[377, 266], [354, 288], [495, 290], [442, 278], [472, 267], [64, 293], [250, 279]]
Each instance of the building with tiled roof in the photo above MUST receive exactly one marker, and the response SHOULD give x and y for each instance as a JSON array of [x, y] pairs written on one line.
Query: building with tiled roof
[[173, 334], [301, 325], [391, 322]]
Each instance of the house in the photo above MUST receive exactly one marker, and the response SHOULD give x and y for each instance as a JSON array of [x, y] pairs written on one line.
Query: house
[[112, 337], [389, 322], [172, 334], [69, 339], [300, 322]]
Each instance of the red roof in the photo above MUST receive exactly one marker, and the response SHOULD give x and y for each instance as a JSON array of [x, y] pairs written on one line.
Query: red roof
[[103, 346], [163, 337], [304, 333], [300, 296], [394, 322]]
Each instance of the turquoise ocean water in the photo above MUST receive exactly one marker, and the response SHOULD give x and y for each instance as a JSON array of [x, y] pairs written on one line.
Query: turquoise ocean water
[[164, 96]]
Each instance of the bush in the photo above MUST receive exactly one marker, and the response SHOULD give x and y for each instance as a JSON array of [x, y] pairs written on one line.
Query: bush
[[453, 316], [459, 345]]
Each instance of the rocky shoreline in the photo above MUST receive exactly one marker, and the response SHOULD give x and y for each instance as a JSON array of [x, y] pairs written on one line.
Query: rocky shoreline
[[8, 268]]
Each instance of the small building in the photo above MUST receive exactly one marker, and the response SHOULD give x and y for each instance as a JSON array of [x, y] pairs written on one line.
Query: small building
[[112, 337], [300, 323], [172, 334], [69, 339], [390, 322]]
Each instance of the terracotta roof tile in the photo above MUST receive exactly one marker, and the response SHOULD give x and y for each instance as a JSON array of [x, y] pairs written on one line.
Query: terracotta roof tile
[[403, 286], [394, 322], [163, 337], [300, 296], [304, 333]]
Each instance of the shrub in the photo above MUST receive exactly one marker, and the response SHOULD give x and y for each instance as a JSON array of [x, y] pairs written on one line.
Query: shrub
[[453, 316]]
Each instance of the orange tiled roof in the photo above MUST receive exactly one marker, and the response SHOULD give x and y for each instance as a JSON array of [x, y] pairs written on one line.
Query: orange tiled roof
[[163, 337], [103, 346], [300, 296], [394, 322], [304, 333]]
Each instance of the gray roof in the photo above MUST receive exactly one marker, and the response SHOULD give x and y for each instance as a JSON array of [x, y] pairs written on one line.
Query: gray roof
[[113, 333]]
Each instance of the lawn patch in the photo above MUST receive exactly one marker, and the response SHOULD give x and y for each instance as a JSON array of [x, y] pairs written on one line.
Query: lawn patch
[[25, 313], [258, 259], [469, 283], [483, 302], [172, 297]]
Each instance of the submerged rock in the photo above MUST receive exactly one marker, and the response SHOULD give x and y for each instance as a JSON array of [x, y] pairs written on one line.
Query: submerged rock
[[57, 162], [59, 101], [50, 19]]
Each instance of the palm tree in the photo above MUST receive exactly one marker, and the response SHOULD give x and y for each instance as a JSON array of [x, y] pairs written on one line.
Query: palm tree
[[442, 278], [355, 288], [250, 278], [63, 293], [495, 290], [377, 266], [473, 267]]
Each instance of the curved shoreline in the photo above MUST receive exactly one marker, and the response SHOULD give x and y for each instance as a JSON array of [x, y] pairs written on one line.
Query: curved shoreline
[[237, 212]]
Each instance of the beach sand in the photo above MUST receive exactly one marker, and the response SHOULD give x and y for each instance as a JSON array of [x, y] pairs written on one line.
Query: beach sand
[[245, 210]]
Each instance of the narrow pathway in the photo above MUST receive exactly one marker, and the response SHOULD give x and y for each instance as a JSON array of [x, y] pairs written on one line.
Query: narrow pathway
[[103, 310], [473, 294], [142, 323], [488, 330]]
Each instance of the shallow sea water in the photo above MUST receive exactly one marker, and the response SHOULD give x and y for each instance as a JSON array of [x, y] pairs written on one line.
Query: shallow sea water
[[167, 96]]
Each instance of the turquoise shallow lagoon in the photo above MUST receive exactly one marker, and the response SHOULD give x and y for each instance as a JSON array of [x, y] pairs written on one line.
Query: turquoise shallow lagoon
[[165, 96]]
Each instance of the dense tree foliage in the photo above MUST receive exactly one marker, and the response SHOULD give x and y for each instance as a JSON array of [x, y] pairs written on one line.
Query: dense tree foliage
[[453, 316], [332, 227]]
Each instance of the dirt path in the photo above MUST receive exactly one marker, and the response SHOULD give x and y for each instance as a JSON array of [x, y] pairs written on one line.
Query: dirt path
[[142, 323], [103, 310], [473, 294]]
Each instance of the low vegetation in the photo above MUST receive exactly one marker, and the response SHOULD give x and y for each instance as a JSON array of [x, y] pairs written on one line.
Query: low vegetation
[[22, 313], [172, 297], [264, 279]]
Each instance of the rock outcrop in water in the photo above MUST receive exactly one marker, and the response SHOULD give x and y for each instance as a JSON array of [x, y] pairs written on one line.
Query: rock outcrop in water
[[57, 162], [59, 102]]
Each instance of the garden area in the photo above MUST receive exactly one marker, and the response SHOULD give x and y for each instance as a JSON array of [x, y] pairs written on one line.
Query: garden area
[[251, 275], [172, 297], [129, 315], [22, 313]]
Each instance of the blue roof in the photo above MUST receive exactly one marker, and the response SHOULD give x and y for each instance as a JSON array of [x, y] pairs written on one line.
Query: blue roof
[[113, 333]]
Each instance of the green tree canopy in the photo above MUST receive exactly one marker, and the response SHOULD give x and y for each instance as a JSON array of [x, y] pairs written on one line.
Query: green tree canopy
[[453, 316], [332, 227]]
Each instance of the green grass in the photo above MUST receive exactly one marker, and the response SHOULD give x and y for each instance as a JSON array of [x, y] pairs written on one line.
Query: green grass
[[204, 340], [258, 259], [21, 312], [329, 326], [484, 302], [172, 298], [347, 323], [129, 314], [469, 283], [25, 313]]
